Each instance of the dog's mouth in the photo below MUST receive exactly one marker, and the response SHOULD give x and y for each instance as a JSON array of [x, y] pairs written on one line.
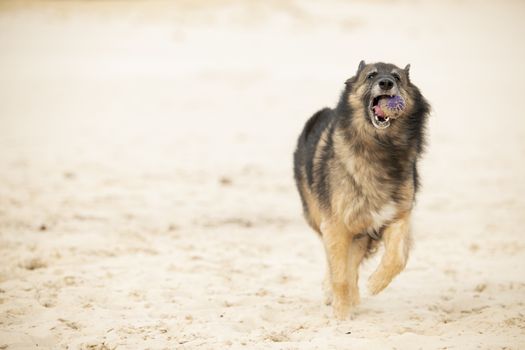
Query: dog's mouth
[[384, 108], [379, 119]]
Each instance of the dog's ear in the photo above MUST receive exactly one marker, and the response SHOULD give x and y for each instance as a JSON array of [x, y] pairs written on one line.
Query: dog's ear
[[349, 81], [362, 65], [407, 71]]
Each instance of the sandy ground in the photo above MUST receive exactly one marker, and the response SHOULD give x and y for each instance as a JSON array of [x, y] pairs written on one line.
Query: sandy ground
[[146, 195]]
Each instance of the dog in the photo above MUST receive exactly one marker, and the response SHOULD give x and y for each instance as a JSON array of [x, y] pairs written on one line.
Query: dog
[[355, 168]]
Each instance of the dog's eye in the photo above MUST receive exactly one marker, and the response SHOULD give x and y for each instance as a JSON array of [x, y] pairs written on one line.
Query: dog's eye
[[371, 75], [397, 77]]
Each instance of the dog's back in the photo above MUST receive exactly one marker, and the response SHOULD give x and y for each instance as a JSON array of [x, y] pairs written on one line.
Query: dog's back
[[304, 156]]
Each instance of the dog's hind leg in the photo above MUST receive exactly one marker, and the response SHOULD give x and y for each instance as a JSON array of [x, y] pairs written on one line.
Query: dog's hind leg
[[396, 237], [337, 243]]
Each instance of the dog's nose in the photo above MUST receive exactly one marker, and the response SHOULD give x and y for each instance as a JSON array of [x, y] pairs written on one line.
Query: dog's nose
[[386, 84]]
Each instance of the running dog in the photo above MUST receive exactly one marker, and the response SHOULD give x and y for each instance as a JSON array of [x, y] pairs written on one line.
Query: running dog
[[355, 168]]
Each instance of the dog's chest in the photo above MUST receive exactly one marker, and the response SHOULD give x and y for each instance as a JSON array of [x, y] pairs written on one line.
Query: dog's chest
[[384, 215], [367, 196]]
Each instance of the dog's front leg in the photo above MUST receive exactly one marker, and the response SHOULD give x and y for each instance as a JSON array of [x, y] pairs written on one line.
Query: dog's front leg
[[337, 243], [396, 237], [358, 249]]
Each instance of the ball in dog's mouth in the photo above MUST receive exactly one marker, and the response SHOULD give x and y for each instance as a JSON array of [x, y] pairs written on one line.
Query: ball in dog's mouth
[[386, 107]]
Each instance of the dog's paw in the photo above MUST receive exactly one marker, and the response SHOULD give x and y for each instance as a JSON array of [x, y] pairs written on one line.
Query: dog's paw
[[341, 309], [377, 282], [384, 274], [329, 297], [342, 314], [355, 299]]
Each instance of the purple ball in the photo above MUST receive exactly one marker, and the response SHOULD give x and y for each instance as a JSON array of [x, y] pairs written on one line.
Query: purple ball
[[396, 103]]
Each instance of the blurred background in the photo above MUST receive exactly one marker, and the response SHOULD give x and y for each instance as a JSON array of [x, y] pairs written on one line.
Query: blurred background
[[146, 176]]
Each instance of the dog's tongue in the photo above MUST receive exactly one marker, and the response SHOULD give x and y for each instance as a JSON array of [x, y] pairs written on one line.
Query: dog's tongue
[[378, 111]]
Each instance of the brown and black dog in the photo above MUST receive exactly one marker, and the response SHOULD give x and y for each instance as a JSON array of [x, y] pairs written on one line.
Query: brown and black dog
[[356, 172]]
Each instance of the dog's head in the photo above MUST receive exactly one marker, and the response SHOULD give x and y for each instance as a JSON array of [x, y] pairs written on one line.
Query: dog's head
[[382, 93]]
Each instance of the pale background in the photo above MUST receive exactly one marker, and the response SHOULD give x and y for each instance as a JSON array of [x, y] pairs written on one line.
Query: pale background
[[146, 193]]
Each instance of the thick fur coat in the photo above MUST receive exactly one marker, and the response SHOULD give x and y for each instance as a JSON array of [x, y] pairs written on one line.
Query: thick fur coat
[[357, 177]]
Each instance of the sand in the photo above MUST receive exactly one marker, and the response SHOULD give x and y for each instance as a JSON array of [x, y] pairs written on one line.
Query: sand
[[147, 198]]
